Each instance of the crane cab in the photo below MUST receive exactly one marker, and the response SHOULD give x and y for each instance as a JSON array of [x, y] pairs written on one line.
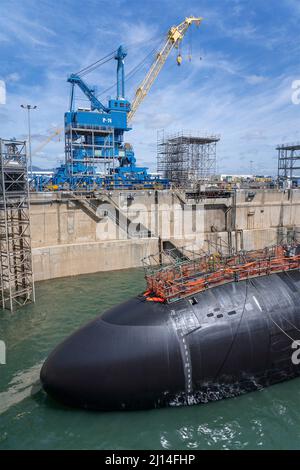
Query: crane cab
[[119, 105]]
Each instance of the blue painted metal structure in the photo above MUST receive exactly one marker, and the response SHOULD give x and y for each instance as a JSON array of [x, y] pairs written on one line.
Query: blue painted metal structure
[[96, 155]]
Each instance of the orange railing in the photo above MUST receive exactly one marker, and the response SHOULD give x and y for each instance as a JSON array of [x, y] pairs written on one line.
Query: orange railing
[[173, 282]]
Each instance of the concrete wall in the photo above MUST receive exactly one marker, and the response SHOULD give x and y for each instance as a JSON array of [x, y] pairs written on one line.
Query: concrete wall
[[80, 258], [66, 240]]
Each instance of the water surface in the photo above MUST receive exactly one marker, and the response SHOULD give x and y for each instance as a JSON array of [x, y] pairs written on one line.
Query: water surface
[[29, 419]]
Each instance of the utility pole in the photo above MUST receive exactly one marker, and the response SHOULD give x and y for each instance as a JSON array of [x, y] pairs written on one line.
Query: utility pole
[[29, 108]]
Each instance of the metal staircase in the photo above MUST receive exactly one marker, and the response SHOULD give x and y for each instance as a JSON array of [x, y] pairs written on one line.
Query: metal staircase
[[92, 207]]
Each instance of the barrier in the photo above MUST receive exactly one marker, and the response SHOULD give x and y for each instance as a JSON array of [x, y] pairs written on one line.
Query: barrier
[[171, 282]]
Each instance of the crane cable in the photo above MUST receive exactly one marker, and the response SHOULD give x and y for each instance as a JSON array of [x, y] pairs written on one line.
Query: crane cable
[[96, 64], [190, 43], [92, 68], [131, 73], [108, 57]]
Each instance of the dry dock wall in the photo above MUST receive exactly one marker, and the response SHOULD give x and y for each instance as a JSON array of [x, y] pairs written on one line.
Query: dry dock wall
[[68, 240]]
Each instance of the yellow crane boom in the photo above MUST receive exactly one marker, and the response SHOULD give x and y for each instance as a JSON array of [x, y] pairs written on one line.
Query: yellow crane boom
[[174, 36], [55, 133]]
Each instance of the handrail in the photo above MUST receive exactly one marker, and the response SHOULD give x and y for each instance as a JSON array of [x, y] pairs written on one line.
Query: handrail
[[177, 281]]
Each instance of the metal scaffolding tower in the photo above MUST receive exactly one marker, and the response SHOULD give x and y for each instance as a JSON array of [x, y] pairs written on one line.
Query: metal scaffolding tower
[[288, 163], [16, 276], [89, 151], [185, 158]]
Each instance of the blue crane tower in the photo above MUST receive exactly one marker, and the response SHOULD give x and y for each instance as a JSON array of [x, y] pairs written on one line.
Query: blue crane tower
[[94, 140], [95, 152]]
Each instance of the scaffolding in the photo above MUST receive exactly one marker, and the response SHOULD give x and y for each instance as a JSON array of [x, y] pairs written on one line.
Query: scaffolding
[[90, 151], [288, 163], [16, 276], [186, 158], [170, 277]]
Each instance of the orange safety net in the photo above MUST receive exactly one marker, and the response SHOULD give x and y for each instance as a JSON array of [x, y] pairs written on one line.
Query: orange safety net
[[175, 282]]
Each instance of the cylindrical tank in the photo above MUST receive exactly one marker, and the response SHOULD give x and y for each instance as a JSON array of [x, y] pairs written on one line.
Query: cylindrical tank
[[219, 343]]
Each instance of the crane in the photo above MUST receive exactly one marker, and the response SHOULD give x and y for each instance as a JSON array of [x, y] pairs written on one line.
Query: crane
[[76, 79], [89, 92], [95, 136], [55, 133], [174, 37]]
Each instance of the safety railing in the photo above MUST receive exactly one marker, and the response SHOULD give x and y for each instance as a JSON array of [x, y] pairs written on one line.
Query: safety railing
[[171, 282]]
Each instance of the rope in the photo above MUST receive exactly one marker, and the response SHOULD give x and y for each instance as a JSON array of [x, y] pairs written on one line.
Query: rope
[[94, 66], [90, 68], [131, 73], [290, 323], [99, 61], [237, 329], [153, 39], [236, 332], [279, 327], [286, 334]]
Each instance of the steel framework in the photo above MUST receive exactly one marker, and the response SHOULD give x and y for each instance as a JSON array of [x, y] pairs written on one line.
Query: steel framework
[[170, 278], [89, 151], [186, 158], [174, 38], [16, 276], [288, 163]]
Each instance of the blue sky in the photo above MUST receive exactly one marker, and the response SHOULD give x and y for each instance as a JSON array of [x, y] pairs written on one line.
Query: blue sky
[[245, 57]]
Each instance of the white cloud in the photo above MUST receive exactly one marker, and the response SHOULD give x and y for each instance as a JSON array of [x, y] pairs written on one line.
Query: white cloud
[[13, 77], [253, 123], [294, 6], [255, 79], [213, 94], [2, 92]]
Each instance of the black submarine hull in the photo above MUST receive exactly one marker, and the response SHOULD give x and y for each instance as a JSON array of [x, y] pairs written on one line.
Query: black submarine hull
[[219, 343]]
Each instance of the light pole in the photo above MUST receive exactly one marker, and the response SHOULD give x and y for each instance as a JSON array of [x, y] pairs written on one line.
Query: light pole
[[29, 107]]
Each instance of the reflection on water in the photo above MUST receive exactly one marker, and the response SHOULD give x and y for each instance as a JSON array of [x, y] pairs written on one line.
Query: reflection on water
[[29, 419], [23, 384]]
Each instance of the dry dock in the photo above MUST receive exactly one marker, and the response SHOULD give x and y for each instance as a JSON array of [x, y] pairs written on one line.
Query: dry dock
[[85, 233]]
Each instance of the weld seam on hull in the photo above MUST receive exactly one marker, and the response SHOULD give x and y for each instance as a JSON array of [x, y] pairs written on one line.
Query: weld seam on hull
[[184, 350]]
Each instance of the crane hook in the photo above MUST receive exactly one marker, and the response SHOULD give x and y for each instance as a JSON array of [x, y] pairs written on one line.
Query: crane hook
[[179, 59]]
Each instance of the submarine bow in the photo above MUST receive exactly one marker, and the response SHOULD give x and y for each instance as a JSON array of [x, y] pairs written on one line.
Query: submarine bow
[[218, 343]]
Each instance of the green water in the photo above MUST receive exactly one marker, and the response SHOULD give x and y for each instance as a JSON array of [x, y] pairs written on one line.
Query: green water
[[268, 419]]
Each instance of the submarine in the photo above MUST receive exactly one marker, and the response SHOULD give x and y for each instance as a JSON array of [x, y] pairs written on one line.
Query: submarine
[[218, 343]]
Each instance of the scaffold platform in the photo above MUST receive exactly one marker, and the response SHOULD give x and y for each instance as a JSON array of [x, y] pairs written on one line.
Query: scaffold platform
[[170, 278]]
